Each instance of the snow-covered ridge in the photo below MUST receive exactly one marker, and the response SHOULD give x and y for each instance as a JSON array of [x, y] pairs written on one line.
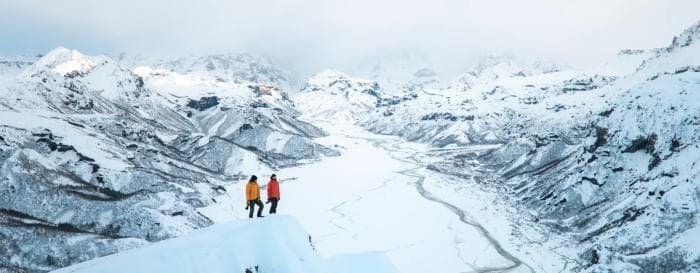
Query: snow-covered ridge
[[682, 54], [229, 67], [688, 37], [276, 244]]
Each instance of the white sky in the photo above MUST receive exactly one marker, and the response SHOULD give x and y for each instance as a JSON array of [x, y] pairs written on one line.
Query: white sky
[[325, 33]]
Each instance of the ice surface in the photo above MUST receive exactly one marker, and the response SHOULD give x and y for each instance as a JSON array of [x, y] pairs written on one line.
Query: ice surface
[[275, 244]]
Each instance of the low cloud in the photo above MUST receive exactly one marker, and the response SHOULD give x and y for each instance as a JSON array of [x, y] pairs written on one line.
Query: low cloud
[[317, 34]]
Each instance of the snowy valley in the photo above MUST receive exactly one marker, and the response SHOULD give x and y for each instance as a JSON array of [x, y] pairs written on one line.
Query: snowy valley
[[131, 164]]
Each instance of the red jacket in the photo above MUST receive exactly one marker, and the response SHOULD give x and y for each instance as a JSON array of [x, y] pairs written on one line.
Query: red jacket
[[273, 189]]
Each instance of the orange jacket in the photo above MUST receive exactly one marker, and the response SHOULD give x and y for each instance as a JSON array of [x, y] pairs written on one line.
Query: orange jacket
[[273, 189], [252, 191]]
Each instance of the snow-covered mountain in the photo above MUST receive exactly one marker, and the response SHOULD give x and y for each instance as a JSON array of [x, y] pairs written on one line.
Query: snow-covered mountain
[[97, 158], [605, 157], [224, 67], [399, 70], [334, 95]]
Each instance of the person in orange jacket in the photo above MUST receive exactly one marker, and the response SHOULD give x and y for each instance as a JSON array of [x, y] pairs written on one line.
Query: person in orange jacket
[[252, 194], [273, 193]]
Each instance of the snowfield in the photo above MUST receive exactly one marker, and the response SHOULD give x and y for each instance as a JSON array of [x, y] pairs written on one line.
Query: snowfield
[[276, 244]]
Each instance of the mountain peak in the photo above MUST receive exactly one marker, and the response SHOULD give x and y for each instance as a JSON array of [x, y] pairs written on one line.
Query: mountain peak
[[63, 61], [330, 74]]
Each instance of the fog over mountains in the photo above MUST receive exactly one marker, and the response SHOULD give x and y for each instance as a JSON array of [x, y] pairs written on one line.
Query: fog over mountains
[[314, 35]]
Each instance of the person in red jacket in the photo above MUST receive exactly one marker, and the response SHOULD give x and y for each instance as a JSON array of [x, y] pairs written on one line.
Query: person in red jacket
[[273, 193]]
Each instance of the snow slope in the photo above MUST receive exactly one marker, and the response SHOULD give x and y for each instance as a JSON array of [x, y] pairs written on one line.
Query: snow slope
[[275, 244]]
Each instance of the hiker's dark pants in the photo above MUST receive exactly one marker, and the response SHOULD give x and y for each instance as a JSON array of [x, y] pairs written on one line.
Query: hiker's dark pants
[[252, 207], [273, 207]]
